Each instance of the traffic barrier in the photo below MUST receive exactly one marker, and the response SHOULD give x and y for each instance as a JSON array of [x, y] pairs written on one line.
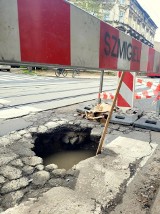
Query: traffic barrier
[[139, 95], [153, 91], [149, 84], [106, 95], [125, 97], [61, 34], [145, 94]]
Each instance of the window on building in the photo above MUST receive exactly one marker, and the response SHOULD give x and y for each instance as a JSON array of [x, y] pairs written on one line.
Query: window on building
[[121, 1], [121, 16], [107, 16], [130, 15]]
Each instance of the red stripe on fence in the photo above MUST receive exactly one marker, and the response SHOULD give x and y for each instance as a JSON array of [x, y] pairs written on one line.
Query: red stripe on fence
[[121, 102], [108, 56], [128, 79], [136, 55], [44, 28]]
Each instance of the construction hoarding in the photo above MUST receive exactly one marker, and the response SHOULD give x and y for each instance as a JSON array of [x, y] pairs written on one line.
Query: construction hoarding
[[58, 33]]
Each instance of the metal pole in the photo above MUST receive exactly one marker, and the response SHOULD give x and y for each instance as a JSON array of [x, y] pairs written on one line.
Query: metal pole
[[109, 116], [158, 102], [100, 87], [158, 108], [29, 68]]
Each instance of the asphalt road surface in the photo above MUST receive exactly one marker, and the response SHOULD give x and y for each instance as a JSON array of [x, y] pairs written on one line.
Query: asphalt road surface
[[23, 94]]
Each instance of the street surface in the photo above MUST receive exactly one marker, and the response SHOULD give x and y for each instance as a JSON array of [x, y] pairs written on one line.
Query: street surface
[[23, 94], [124, 179]]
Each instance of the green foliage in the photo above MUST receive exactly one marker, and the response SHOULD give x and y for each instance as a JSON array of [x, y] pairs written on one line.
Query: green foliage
[[28, 72], [91, 6]]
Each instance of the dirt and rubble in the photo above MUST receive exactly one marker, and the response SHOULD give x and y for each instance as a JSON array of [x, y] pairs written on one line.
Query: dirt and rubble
[[130, 187]]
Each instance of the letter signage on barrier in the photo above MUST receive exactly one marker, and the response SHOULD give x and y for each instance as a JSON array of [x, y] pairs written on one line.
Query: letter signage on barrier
[[121, 49], [59, 33]]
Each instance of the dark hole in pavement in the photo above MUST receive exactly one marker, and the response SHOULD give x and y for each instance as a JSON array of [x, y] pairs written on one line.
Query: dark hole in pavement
[[65, 146]]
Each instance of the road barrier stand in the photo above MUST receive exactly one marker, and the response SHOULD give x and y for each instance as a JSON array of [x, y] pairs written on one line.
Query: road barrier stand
[[130, 115], [144, 122]]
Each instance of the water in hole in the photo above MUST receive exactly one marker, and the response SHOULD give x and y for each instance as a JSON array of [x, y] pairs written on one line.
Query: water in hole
[[67, 159]]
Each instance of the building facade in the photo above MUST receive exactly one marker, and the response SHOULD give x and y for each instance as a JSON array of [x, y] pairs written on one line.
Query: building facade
[[126, 15], [157, 46]]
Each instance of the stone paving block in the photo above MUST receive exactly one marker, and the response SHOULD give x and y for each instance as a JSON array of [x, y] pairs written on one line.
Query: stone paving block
[[2, 180], [10, 172], [4, 141], [27, 170], [12, 198], [32, 161], [51, 167], [14, 185], [6, 158], [40, 178], [17, 163]]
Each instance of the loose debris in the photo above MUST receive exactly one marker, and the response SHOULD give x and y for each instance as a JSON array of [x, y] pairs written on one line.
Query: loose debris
[[100, 111]]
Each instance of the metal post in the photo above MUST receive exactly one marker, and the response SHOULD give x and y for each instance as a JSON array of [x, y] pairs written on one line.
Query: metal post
[[100, 87], [158, 108], [29, 68], [158, 103]]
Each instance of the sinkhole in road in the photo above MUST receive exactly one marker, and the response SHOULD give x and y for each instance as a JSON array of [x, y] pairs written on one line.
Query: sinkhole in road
[[65, 146]]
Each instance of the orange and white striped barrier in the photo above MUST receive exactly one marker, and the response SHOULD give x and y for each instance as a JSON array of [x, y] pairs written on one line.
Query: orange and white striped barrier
[[153, 91], [107, 96], [139, 95], [125, 97], [144, 94], [149, 84]]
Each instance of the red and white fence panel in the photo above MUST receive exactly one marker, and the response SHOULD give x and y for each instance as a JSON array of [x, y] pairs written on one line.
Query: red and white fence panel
[[125, 97], [55, 32], [152, 92]]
